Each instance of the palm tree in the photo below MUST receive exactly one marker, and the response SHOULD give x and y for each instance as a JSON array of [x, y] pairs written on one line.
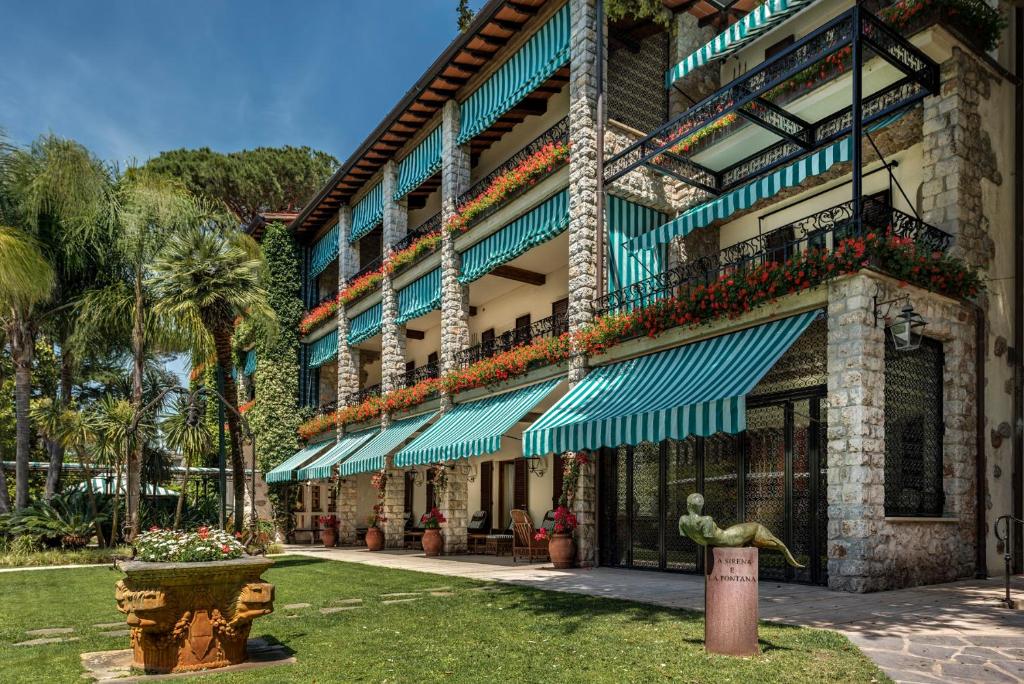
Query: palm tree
[[113, 419], [58, 194], [150, 209], [216, 275], [187, 433], [26, 280]]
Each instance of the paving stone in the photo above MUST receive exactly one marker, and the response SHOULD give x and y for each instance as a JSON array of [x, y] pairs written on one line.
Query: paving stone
[[975, 673], [42, 641], [438, 589], [50, 631], [995, 641], [336, 609], [403, 600], [899, 661], [941, 639], [912, 677], [881, 643], [117, 633], [442, 593], [933, 651], [108, 625], [401, 593], [296, 606], [348, 600]]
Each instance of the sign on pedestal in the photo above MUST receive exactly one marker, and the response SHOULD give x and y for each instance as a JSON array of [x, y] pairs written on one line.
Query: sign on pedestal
[[730, 601]]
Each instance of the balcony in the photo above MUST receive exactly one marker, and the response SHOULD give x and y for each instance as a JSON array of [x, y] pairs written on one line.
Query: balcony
[[552, 326], [368, 268], [429, 226], [367, 392], [823, 230], [324, 409], [424, 372]]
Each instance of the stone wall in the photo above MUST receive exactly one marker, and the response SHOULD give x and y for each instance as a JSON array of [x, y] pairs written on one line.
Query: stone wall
[[394, 508], [455, 166], [453, 501], [868, 551], [347, 519]]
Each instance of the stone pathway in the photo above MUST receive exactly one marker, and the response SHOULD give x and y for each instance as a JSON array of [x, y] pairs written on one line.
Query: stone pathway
[[955, 632]]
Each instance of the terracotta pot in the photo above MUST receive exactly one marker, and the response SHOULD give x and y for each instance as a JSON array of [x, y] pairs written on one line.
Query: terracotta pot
[[330, 536], [374, 539], [432, 542], [192, 616], [562, 550]]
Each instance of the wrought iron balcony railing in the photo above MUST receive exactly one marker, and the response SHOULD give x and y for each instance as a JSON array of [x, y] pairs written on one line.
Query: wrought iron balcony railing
[[372, 266], [367, 392], [329, 407], [822, 230], [425, 372], [552, 326], [429, 226], [746, 97], [557, 133]]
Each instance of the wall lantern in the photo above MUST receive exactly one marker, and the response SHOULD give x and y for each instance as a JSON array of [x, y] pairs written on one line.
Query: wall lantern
[[537, 466], [906, 328]]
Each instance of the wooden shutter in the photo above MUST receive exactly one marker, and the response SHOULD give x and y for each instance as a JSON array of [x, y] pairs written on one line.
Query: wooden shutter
[[519, 497], [560, 311], [432, 357], [556, 481], [332, 498], [487, 490], [410, 365], [410, 482], [431, 503], [316, 499]]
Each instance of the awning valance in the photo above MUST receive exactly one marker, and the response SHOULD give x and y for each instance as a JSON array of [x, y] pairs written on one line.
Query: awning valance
[[473, 428], [746, 196], [541, 56], [250, 362], [754, 23], [286, 471], [419, 165], [419, 297], [368, 212], [626, 221], [323, 252], [371, 456], [323, 349], [535, 227], [697, 389], [365, 325], [320, 469]]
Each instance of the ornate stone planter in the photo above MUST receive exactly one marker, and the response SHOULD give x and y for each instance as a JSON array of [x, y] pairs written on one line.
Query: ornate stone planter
[[192, 616]]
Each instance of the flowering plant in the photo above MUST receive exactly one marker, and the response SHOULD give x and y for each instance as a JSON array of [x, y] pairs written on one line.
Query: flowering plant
[[378, 481], [242, 408], [539, 164], [172, 546], [328, 521], [433, 519], [565, 521], [322, 312], [541, 535]]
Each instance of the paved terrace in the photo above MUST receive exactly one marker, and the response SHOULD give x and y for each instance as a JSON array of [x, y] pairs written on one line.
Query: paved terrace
[[954, 632]]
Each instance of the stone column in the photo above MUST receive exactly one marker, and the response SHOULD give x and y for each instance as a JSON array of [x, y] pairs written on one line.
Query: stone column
[[348, 358], [583, 226], [347, 500], [396, 219], [856, 437], [454, 505], [394, 507], [454, 296]]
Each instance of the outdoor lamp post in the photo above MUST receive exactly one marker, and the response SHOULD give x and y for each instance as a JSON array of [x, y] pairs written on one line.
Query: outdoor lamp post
[[906, 329]]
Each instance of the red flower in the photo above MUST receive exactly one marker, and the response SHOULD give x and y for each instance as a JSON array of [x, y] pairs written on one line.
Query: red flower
[[203, 532], [225, 548]]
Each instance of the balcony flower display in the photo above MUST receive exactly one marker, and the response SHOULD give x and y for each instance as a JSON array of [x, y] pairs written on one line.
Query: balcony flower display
[[316, 317]]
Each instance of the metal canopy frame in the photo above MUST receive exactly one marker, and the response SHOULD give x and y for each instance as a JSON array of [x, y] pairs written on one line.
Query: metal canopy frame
[[745, 97]]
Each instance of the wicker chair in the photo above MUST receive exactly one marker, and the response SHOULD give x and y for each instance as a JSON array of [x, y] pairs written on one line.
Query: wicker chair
[[523, 543]]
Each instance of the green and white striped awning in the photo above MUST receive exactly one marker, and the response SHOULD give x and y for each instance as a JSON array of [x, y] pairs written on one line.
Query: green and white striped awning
[[535, 227], [286, 471], [473, 428], [323, 252], [250, 363], [372, 456], [320, 469], [753, 24], [746, 196], [323, 349], [541, 56], [419, 165], [365, 325], [419, 297], [626, 221], [368, 212], [697, 389]]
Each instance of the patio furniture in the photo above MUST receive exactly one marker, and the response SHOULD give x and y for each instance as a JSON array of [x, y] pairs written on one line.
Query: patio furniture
[[413, 533], [476, 531], [498, 544], [548, 523], [523, 543]]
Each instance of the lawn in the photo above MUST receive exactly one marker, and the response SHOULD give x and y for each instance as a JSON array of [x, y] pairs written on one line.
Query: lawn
[[469, 632]]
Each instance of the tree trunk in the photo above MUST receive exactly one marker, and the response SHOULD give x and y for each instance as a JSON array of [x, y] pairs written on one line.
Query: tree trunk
[[22, 348], [115, 514], [56, 451], [222, 341], [181, 495], [5, 497], [90, 496], [134, 494]]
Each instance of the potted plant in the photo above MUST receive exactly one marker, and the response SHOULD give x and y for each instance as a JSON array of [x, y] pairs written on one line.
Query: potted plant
[[329, 523], [431, 523], [190, 598], [561, 547], [374, 535]]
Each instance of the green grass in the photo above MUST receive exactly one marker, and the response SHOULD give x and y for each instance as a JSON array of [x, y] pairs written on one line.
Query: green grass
[[12, 558], [510, 635]]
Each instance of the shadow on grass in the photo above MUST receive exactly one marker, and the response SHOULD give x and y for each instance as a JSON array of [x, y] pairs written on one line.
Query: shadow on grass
[[295, 561]]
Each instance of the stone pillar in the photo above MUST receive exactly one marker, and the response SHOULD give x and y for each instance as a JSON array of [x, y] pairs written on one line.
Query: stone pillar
[[396, 219], [454, 296], [394, 508], [347, 501], [454, 505], [348, 358]]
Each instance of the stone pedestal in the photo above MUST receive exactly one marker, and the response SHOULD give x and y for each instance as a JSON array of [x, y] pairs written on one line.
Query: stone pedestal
[[730, 601], [192, 616]]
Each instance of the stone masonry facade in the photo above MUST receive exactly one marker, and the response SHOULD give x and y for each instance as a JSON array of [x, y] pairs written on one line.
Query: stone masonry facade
[[396, 219]]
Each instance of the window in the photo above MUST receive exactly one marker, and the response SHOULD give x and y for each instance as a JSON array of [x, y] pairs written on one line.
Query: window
[[410, 366], [560, 310], [316, 499], [332, 498], [522, 333], [432, 358], [914, 430], [487, 342]]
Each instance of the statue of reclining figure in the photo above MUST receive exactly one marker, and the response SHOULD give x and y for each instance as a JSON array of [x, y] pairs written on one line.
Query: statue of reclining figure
[[703, 530]]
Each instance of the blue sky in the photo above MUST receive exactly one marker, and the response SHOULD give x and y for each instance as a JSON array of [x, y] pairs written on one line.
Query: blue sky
[[132, 78]]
